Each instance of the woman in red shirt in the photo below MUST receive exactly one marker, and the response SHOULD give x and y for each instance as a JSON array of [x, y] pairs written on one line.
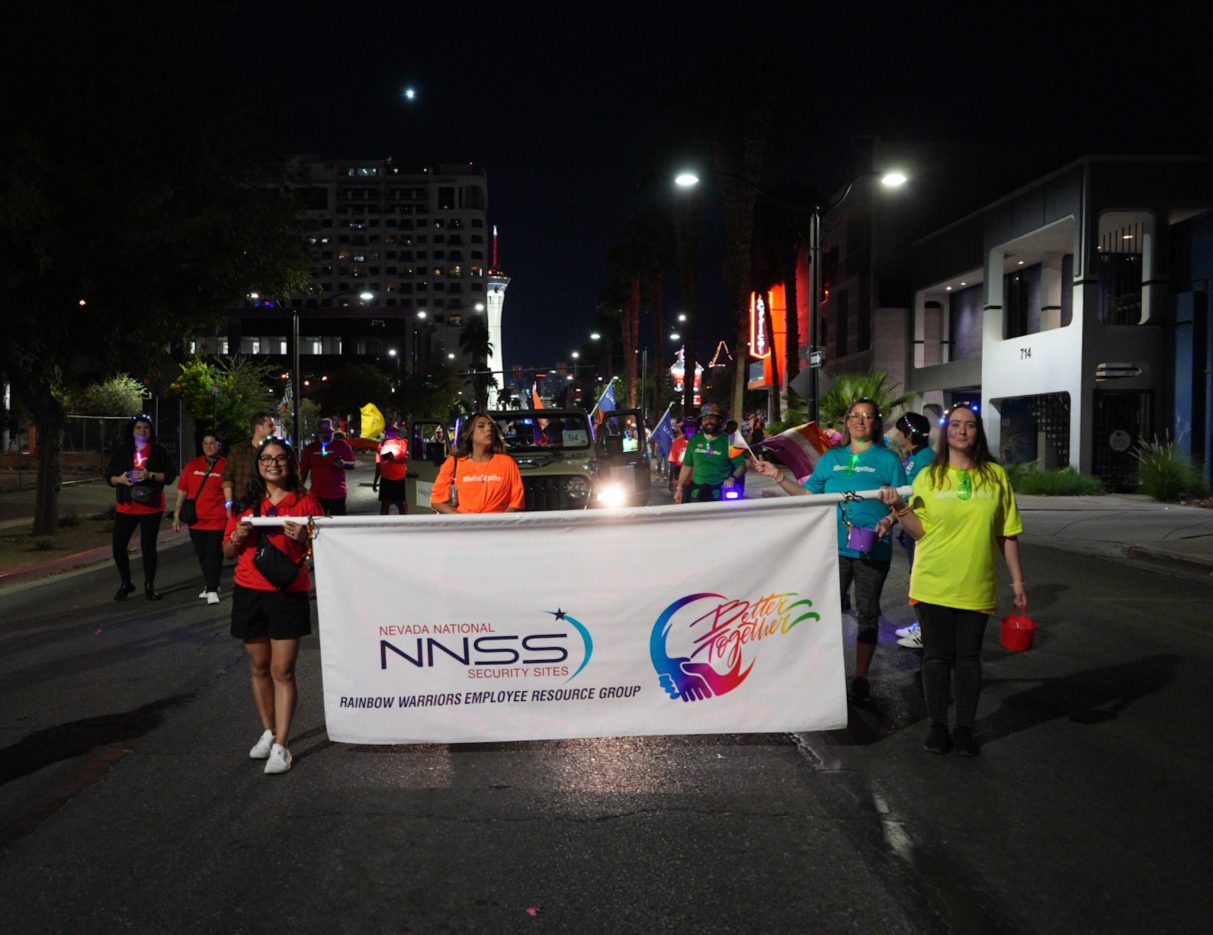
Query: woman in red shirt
[[483, 478], [272, 620], [138, 471], [202, 482]]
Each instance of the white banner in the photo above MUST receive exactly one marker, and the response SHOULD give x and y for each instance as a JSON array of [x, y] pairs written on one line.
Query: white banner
[[702, 618]]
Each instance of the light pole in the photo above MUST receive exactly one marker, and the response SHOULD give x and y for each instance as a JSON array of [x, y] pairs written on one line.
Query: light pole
[[891, 179]]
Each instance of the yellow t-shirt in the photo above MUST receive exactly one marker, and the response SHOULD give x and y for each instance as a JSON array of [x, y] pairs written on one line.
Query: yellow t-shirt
[[962, 520]]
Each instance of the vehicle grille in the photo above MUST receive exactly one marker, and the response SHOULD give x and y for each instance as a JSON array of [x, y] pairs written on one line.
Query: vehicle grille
[[547, 493]]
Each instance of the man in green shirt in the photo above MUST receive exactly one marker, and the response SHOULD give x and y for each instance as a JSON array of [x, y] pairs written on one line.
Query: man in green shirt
[[707, 465]]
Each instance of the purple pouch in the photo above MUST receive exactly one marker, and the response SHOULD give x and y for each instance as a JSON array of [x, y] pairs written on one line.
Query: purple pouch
[[861, 539]]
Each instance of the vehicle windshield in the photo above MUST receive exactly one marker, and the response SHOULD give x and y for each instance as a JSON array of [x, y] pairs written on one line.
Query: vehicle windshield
[[531, 432]]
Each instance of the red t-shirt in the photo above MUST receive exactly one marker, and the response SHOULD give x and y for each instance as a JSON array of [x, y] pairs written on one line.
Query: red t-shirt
[[142, 509], [247, 575], [399, 465], [319, 462], [678, 448], [212, 514]]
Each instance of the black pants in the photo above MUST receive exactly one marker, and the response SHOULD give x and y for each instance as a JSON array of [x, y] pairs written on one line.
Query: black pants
[[208, 546], [951, 653], [868, 575], [333, 507], [149, 529]]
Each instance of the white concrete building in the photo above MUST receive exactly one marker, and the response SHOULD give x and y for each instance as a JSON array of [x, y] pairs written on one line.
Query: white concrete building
[[1056, 309]]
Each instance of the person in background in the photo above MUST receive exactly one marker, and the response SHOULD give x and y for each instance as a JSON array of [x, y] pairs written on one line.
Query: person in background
[[757, 432], [327, 460], [201, 482], [914, 432], [479, 477], [271, 621], [683, 434], [962, 513], [707, 470], [391, 468], [138, 470], [862, 462], [240, 468]]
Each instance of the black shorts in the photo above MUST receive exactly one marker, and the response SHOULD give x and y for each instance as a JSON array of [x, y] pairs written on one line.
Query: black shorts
[[391, 491], [279, 615]]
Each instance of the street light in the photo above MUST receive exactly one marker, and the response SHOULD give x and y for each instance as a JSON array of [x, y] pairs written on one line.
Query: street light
[[891, 179]]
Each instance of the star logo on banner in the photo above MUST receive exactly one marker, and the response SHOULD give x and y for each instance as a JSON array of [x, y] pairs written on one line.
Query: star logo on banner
[[557, 613]]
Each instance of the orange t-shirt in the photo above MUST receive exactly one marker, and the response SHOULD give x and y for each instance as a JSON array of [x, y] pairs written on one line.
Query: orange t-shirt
[[492, 486], [678, 448], [397, 467]]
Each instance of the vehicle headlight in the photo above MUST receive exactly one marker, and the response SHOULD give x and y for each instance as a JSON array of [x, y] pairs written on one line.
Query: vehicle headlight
[[577, 488], [612, 495]]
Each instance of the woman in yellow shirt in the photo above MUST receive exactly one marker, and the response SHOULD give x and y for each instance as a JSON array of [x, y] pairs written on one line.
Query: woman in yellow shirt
[[961, 514]]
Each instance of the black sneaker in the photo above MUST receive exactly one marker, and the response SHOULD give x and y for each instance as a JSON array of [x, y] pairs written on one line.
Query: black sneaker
[[938, 740], [123, 590], [964, 743], [860, 689], [150, 592]]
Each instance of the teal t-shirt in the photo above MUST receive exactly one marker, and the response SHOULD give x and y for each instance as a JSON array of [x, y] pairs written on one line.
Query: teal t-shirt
[[840, 470], [916, 462], [709, 459]]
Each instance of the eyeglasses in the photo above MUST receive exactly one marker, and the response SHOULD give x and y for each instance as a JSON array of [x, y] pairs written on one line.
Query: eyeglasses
[[861, 417], [275, 459]]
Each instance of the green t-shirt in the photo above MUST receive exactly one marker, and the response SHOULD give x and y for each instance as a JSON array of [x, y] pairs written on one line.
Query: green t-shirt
[[962, 520], [709, 459]]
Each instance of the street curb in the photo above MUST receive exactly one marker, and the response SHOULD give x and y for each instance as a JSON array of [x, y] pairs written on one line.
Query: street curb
[[78, 560], [1165, 557]]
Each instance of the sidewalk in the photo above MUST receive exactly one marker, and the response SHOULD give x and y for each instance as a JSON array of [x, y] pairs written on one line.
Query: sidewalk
[[1130, 526]]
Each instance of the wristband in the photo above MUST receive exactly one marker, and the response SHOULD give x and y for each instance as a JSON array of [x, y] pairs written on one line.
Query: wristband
[[901, 512], [228, 504]]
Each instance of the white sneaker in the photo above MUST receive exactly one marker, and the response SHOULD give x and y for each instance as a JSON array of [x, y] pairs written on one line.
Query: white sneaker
[[261, 749], [913, 641], [279, 761], [212, 597], [203, 593], [907, 631]]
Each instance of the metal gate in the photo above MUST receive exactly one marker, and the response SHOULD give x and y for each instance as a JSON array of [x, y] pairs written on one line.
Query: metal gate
[[1122, 418]]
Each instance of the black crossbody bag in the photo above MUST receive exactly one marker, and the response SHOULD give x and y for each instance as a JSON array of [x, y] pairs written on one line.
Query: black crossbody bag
[[275, 566], [188, 513]]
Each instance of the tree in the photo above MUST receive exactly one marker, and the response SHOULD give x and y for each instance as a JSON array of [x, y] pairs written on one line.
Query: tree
[[136, 203], [474, 342], [737, 112], [347, 390], [848, 387], [121, 395], [430, 395], [222, 396]]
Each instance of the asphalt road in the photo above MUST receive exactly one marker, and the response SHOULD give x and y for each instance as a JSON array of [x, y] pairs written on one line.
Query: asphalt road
[[127, 802]]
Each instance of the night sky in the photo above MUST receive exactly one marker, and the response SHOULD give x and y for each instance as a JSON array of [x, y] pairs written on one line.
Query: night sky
[[557, 101]]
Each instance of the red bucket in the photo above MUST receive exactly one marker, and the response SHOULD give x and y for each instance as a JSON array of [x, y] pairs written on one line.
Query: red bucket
[[1018, 632]]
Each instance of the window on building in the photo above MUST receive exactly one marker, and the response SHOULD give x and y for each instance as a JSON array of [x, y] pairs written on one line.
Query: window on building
[[1021, 301], [446, 198], [964, 322]]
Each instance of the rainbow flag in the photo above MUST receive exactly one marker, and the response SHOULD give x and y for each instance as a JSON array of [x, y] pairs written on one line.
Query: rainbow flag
[[738, 445]]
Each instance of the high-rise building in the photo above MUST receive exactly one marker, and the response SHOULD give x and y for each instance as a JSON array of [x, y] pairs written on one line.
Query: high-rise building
[[398, 264], [497, 283]]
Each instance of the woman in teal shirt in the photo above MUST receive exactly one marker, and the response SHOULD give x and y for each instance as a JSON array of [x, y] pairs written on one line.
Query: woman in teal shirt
[[861, 462]]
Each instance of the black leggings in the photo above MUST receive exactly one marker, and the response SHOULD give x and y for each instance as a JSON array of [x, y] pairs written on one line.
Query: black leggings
[[149, 529], [208, 546], [951, 653], [868, 575]]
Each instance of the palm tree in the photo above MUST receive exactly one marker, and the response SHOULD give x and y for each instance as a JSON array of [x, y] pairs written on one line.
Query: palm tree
[[848, 387], [735, 110], [474, 342]]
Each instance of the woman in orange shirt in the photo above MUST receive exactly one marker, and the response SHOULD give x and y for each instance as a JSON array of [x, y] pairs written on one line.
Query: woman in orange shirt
[[482, 477]]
